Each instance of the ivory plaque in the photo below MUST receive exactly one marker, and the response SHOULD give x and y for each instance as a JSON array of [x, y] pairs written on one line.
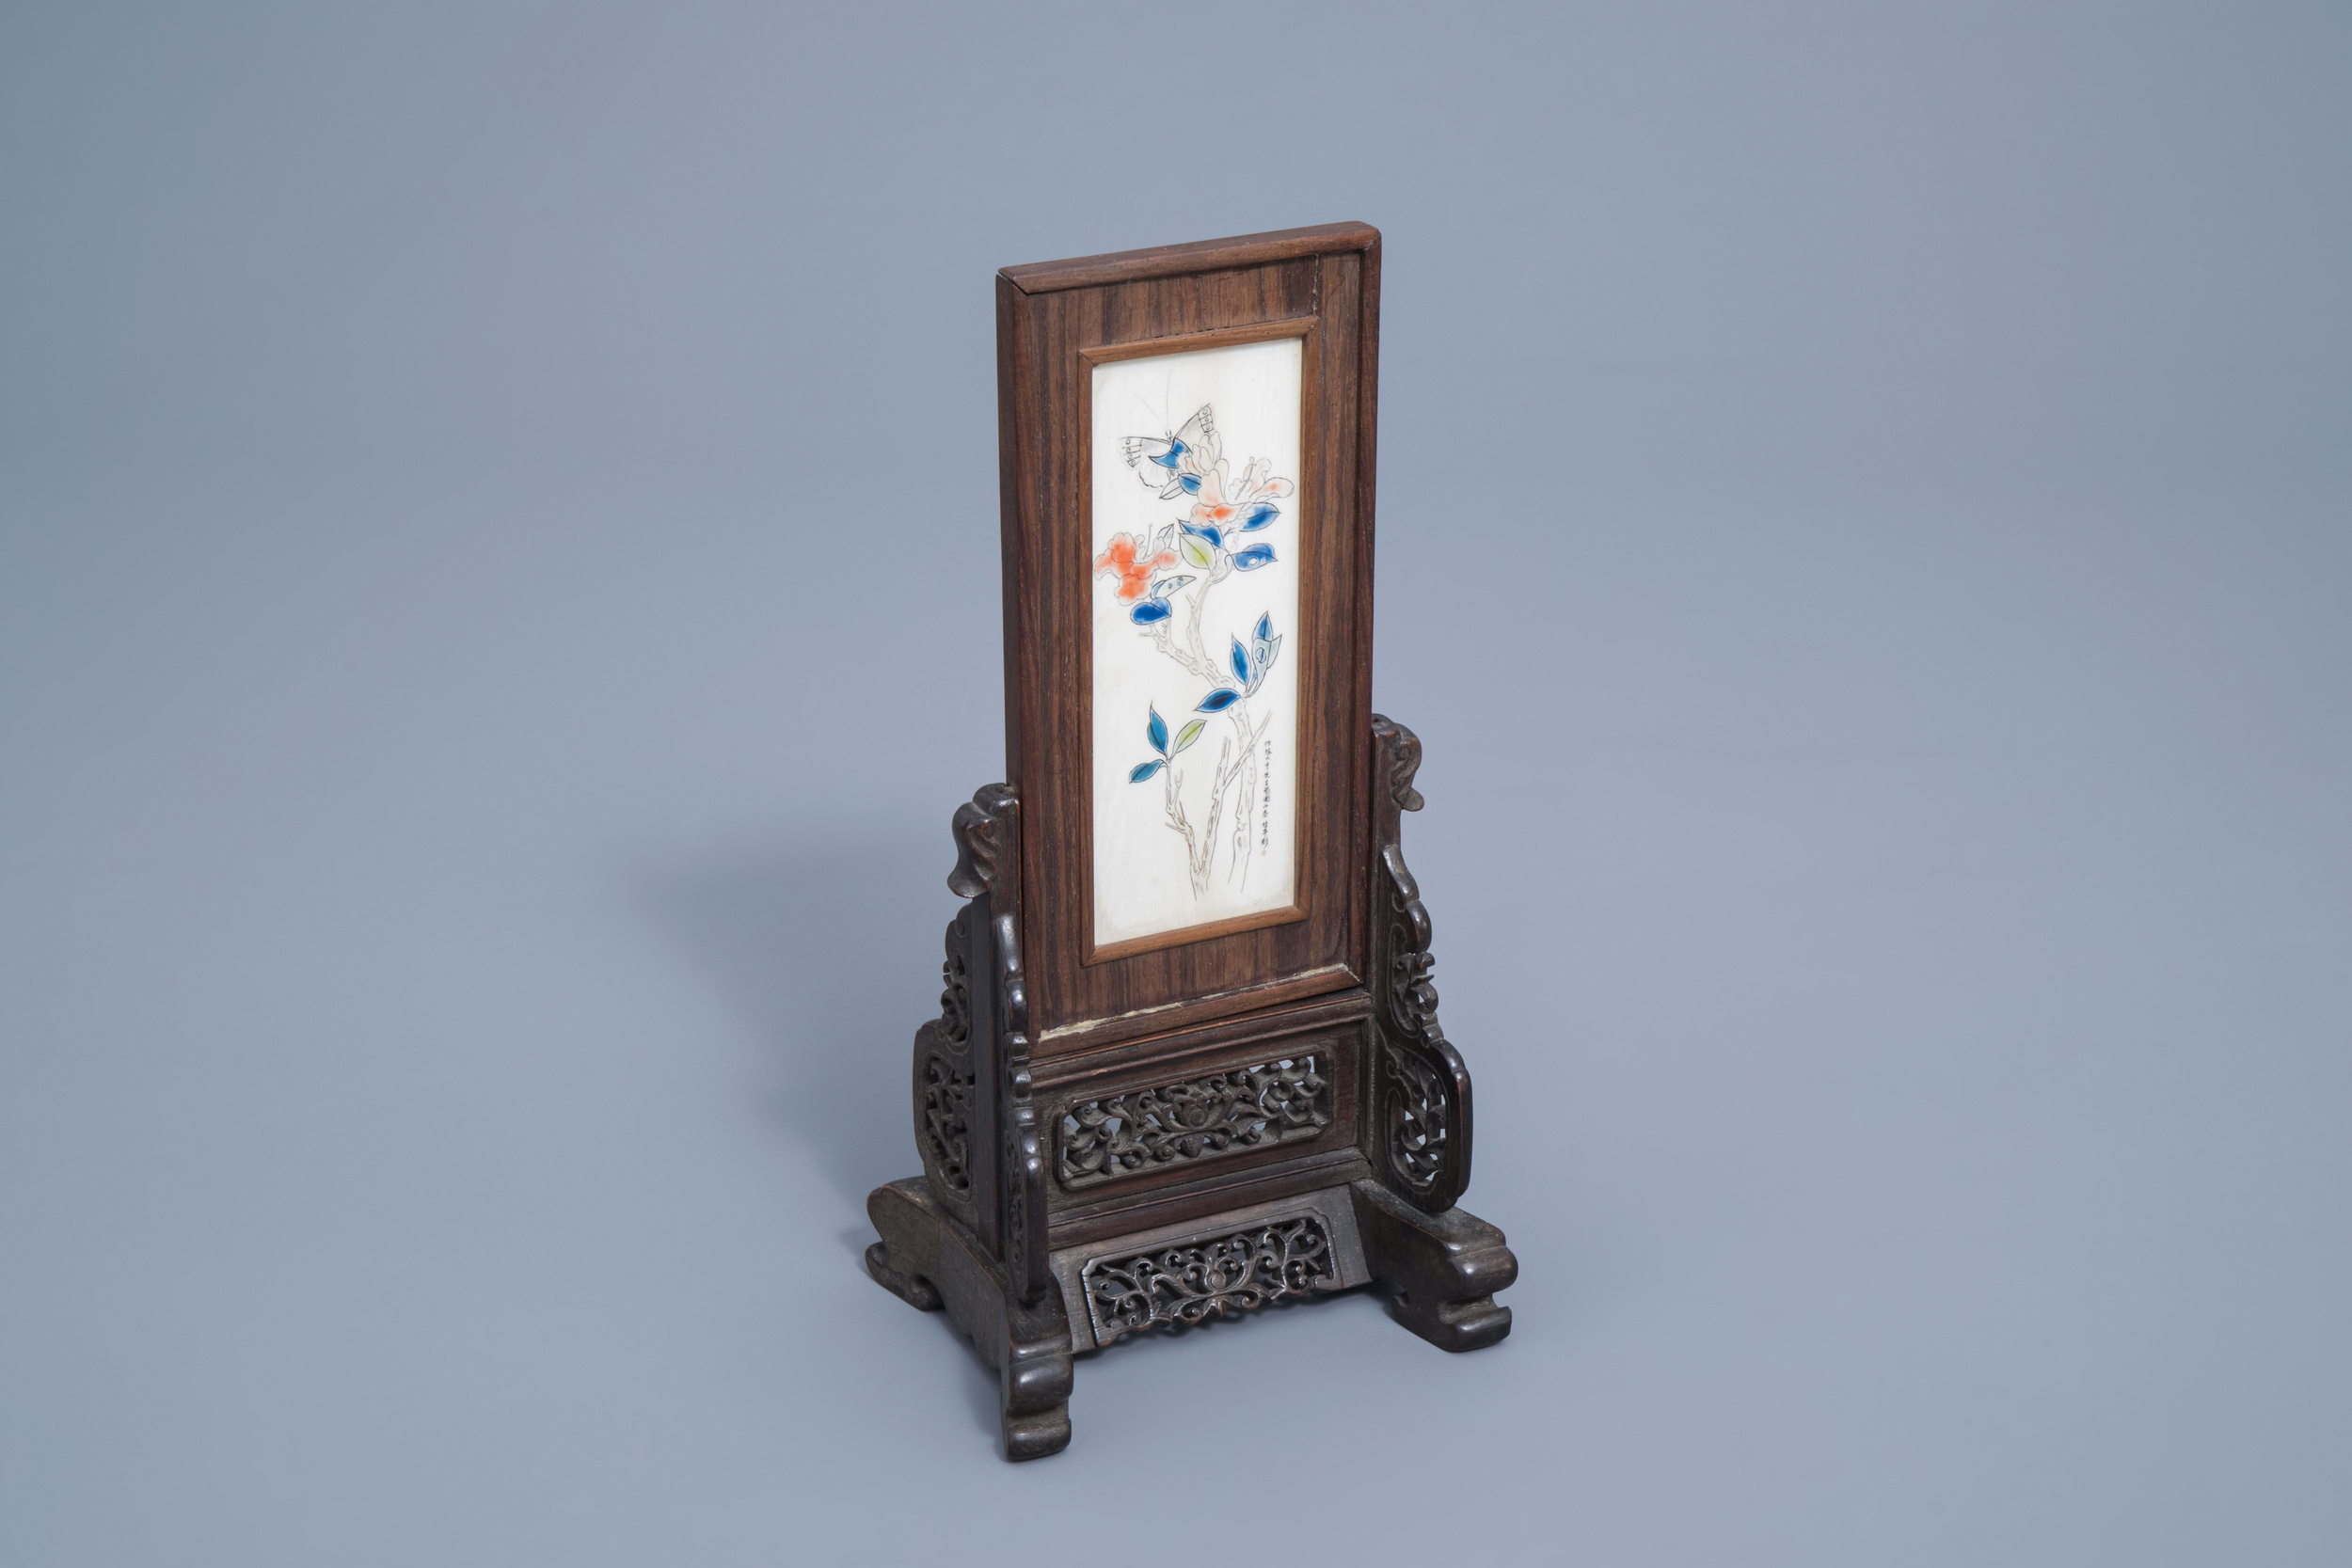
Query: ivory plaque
[[1194, 497]]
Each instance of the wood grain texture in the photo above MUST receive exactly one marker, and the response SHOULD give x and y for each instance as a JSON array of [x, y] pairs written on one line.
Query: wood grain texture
[[1198, 256], [1049, 319]]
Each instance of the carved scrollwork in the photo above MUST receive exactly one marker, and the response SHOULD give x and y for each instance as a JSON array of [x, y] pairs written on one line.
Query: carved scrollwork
[[947, 1097], [1246, 1108], [947, 1114], [983, 831], [1412, 999], [955, 997], [1420, 1092], [1177, 1286], [1415, 1107], [1424, 1088], [973, 1118], [1404, 751], [943, 1075]]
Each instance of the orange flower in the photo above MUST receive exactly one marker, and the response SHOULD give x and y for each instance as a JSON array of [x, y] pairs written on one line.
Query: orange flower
[[1135, 575]]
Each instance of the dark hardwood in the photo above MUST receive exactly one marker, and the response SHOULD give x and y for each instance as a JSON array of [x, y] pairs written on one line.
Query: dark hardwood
[[1052, 329], [1199, 256], [932, 1262], [1278, 1156], [1133, 1140]]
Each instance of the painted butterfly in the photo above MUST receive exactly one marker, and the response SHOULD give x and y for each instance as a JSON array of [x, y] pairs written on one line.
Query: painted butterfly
[[1165, 463]]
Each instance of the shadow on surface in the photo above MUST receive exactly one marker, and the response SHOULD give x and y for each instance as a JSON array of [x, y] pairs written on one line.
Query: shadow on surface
[[830, 953]]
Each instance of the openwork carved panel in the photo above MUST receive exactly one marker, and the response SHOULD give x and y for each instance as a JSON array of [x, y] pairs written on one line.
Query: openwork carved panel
[[1424, 1105], [955, 999], [1412, 998], [1251, 1108], [1177, 1286], [1417, 1120], [944, 1072], [947, 1119]]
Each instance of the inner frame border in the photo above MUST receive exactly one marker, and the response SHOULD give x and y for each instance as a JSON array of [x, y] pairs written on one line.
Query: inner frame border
[[1310, 663]]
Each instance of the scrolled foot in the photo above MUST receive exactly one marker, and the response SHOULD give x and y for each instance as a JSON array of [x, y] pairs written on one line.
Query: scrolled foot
[[925, 1258], [1446, 1268], [907, 1286], [1038, 1434], [1035, 1373], [1453, 1325]]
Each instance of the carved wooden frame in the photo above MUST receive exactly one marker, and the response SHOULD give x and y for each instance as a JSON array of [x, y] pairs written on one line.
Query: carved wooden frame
[[1245, 1177], [1055, 322]]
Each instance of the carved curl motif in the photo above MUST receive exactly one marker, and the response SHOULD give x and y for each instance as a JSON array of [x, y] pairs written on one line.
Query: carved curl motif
[[947, 1120], [1246, 1108], [1424, 1090], [943, 1083], [1416, 1103], [955, 997], [983, 832], [1181, 1285], [1416, 1096], [1404, 760], [1412, 999]]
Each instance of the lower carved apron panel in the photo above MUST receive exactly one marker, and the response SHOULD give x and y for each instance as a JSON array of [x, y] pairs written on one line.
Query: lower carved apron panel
[[1210, 1268]]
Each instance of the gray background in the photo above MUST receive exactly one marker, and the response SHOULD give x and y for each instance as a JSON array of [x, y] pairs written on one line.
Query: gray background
[[498, 585]]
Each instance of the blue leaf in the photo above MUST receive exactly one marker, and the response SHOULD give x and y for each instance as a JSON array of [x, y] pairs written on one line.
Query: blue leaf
[[1218, 700], [1156, 732], [1191, 484], [1252, 558], [1259, 515], [1165, 586], [1147, 611], [1208, 532], [1241, 662], [1143, 771], [1265, 627]]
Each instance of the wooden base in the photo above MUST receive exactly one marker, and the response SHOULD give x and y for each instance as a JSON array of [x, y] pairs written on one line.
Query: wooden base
[[1443, 1270], [1072, 1201], [928, 1259]]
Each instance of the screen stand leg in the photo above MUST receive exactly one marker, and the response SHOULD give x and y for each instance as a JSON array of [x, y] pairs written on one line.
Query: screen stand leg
[[928, 1259], [1443, 1269]]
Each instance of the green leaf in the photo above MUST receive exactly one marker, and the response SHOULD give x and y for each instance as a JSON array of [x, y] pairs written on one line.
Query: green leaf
[[1198, 552], [1189, 734]]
